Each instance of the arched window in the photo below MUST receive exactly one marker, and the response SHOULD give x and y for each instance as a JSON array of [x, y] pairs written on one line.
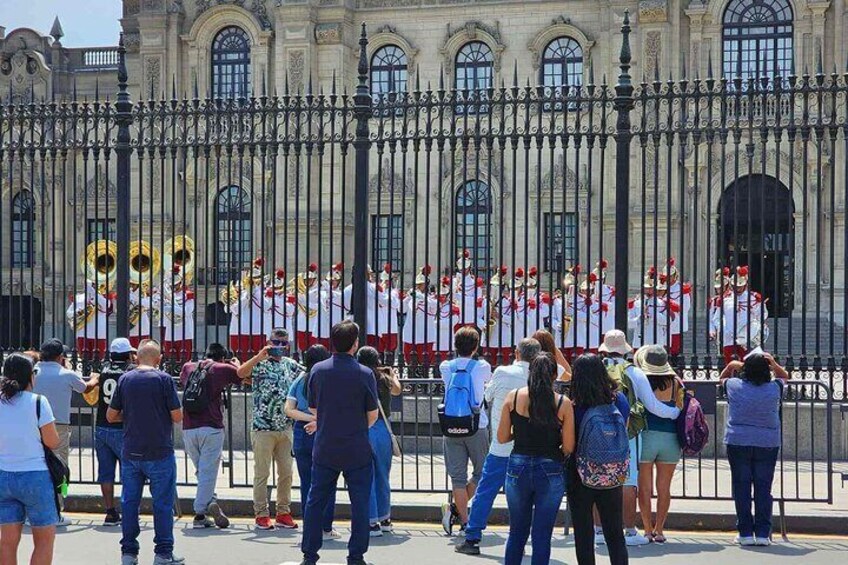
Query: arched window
[[474, 74], [23, 229], [231, 64], [757, 39], [473, 222], [562, 63], [234, 224], [389, 68]]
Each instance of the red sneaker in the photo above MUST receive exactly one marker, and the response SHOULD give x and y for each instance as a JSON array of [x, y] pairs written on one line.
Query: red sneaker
[[286, 521], [264, 523]]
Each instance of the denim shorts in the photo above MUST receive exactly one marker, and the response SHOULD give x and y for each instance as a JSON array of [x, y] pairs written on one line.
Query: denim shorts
[[108, 444], [27, 494], [659, 447]]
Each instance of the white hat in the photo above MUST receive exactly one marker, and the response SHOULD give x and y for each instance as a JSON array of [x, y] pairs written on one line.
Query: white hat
[[423, 273], [615, 342], [670, 269], [121, 345], [463, 262], [518, 279], [532, 274], [256, 268], [741, 278], [279, 279], [600, 270], [720, 278], [312, 271], [445, 285]]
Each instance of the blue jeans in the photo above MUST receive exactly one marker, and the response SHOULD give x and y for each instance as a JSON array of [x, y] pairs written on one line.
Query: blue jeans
[[204, 446], [302, 447], [108, 444], [162, 475], [752, 466], [27, 494], [491, 483], [534, 489], [324, 481], [380, 504]]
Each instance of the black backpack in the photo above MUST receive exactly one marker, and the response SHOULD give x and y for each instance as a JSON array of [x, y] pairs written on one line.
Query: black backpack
[[196, 393]]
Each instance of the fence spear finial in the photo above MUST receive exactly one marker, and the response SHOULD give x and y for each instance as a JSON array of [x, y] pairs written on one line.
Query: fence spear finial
[[362, 68]]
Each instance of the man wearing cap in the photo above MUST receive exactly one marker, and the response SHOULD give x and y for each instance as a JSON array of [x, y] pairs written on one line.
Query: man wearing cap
[[109, 436], [177, 306], [389, 309], [88, 317], [744, 314], [466, 291], [57, 383], [634, 384], [331, 306], [419, 325]]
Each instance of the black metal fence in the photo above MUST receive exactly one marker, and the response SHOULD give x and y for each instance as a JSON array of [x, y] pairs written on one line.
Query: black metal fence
[[197, 219]]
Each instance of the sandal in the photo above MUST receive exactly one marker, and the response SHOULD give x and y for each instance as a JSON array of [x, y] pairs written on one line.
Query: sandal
[[650, 537], [658, 538]]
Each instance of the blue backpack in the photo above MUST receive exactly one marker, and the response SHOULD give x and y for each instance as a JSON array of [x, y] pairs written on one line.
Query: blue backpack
[[603, 450], [459, 414]]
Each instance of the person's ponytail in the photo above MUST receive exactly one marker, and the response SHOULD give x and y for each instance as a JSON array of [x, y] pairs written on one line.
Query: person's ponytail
[[17, 376]]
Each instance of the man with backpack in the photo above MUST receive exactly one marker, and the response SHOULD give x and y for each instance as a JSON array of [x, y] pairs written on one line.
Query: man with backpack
[[463, 423], [108, 436], [204, 383], [633, 383]]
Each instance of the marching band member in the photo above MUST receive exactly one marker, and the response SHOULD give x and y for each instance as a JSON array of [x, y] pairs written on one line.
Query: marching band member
[[447, 315], [88, 317], [280, 304], [744, 315], [387, 319], [720, 289], [419, 326], [466, 291], [562, 312], [141, 301], [521, 318], [331, 305], [499, 341], [306, 296], [649, 314], [374, 309], [606, 294], [679, 293], [538, 304], [588, 316], [247, 307], [176, 303]]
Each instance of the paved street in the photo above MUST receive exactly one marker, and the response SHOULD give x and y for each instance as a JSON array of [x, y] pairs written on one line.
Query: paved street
[[87, 542]]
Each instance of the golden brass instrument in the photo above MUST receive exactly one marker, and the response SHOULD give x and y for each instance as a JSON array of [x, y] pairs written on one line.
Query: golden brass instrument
[[80, 318], [230, 295], [179, 250], [145, 263], [100, 264]]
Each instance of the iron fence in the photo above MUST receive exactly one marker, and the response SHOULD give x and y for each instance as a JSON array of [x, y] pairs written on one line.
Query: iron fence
[[580, 208]]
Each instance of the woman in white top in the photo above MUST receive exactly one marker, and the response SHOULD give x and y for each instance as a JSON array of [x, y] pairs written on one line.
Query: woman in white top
[[26, 491]]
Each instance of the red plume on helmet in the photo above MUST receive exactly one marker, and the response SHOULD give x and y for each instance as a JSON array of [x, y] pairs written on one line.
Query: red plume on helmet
[[339, 267], [280, 274], [519, 273], [259, 262], [426, 270], [446, 281], [593, 278], [743, 271], [479, 282], [313, 267], [176, 269], [603, 264], [577, 268], [387, 267], [652, 271], [466, 253], [671, 262], [504, 270], [534, 271], [663, 278], [726, 271]]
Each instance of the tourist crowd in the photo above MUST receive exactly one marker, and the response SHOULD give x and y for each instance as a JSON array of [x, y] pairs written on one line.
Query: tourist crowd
[[606, 433]]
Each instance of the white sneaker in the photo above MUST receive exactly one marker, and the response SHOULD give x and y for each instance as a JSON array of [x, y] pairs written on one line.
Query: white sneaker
[[762, 542], [599, 538], [745, 540], [331, 535], [634, 539]]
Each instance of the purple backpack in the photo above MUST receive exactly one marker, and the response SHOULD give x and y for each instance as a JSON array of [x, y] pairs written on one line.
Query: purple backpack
[[693, 433]]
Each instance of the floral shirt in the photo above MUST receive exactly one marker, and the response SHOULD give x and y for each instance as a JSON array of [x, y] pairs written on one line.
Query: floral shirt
[[271, 383]]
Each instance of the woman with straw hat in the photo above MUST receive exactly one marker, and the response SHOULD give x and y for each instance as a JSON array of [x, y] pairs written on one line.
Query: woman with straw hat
[[660, 447]]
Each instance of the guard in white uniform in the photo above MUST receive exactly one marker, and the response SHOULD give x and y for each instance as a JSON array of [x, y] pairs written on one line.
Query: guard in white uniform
[[88, 316], [648, 314], [446, 320], [466, 291], [140, 313], [720, 290], [680, 293], [606, 294], [177, 307], [331, 306], [307, 298], [562, 312], [538, 305], [281, 305], [499, 339], [589, 311], [387, 319], [247, 327], [744, 315], [419, 325]]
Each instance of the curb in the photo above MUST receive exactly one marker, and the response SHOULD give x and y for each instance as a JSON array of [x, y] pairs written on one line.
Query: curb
[[810, 524]]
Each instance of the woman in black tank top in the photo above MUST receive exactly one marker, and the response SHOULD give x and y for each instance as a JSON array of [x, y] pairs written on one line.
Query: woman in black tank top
[[541, 424]]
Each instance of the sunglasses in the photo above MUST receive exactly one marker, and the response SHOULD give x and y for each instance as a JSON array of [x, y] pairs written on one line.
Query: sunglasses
[[279, 342]]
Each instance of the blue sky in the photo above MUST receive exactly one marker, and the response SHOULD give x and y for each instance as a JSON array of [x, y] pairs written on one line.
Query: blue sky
[[87, 23]]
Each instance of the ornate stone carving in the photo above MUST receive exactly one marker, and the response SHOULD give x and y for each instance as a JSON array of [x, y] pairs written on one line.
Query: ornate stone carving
[[386, 182], [296, 67], [203, 5], [24, 69], [132, 40], [176, 7], [153, 77], [388, 3], [330, 33], [653, 53], [653, 11], [472, 30], [468, 163], [261, 12]]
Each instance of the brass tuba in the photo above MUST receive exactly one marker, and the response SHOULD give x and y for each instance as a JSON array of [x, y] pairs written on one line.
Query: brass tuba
[[179, 250], [100, 264], [145, 263]]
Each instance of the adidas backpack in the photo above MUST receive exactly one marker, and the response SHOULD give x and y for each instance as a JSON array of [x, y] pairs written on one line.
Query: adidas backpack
[[196, 393], [603, 449], [459, 414]]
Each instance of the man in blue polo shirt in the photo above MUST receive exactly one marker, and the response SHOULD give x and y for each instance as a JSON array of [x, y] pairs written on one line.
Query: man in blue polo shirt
[[343, 396]]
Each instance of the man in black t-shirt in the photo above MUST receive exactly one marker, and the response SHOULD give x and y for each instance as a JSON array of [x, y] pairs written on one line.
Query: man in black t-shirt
[[109, 437]]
